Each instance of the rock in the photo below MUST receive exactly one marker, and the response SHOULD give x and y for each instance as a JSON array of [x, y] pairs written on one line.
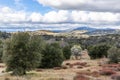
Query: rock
[[103, 61], [84, 55]]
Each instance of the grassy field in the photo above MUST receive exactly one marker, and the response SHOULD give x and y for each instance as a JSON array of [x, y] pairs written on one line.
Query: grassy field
[[62, 74]]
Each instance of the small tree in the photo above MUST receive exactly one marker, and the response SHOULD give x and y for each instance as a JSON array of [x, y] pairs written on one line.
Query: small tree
[[52, 56], [76, 51], [22, 53], [98, 51], [67, 52], [114, 54]]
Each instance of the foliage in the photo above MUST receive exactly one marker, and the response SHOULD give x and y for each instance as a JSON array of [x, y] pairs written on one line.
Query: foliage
[[67, 52], [98, 51], [22, 53], [114, 54], [1, 50], [52, 56], [4, 35], [76, 51]]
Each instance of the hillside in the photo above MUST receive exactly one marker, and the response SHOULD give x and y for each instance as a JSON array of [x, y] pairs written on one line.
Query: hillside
[[98, 31], [71, 34], [42, 32]]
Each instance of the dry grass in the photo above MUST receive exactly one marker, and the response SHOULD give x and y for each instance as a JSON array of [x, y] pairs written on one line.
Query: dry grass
[[62, 74]]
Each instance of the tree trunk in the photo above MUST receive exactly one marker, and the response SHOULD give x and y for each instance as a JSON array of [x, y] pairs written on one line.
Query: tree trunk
[[24, 72]]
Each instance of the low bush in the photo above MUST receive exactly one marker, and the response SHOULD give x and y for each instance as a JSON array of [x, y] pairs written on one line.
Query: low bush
[[67, 63], [57, 68], [39, 70], [80, 63], [114, 55], [95, 74], [79, 67], [80, 77], [107, 72], [98, 51], [52, 56], [7, 78], [67, 52], [64, 67], [116, 76]]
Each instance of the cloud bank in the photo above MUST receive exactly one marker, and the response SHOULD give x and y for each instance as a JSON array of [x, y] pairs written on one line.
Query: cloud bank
[[69, 14], [84, 5], [8, 15]]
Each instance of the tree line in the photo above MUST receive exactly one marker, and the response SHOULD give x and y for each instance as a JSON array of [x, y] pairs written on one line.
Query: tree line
[[24, 52]]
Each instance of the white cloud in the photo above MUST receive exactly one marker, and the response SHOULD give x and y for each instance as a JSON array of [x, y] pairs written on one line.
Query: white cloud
[[7, 15], [5, 10], [91, 17], [56, 17], [35, 17], [85, 5], [61, 19]]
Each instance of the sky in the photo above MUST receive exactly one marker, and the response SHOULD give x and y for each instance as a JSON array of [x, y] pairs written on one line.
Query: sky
[[26, 15]]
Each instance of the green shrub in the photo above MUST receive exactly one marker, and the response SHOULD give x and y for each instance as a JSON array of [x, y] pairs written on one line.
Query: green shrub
[[1, 50], [52, 56], [67, 52], [7, 78], [114, 55], [76, 51], [22, 53], [98, 51]]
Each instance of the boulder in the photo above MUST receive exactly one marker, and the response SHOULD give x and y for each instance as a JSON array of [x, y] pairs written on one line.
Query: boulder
[[84, 55]]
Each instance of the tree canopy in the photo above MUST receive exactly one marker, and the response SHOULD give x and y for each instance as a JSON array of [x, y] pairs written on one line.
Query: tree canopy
[[22, 53], [52, 56]]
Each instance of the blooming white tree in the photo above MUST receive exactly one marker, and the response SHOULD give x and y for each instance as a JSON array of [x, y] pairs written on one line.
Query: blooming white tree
[[76, 51]]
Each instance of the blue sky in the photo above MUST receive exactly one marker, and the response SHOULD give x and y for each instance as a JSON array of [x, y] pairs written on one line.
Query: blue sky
[[58, 14], [28, 5]]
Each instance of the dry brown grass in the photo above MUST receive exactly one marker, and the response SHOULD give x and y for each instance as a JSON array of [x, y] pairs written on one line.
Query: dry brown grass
[[63, 74]]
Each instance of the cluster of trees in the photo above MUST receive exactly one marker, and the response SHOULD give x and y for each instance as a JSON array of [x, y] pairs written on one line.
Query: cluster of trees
[[23, 52], [104, 50], [76, 51], [4, 35], [114, 54], [1, 49], [98, 51], [52, 56], [105, 39]]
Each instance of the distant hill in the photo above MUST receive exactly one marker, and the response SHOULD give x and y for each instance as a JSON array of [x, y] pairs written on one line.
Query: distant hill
[[85, 28], [103, 32], [42, 32], [96, 31], [76, 32]]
